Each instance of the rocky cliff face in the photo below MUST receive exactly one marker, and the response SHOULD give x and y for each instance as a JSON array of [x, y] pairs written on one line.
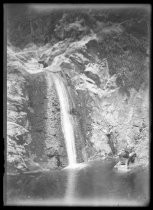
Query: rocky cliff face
[[18, 124], [104, 62]]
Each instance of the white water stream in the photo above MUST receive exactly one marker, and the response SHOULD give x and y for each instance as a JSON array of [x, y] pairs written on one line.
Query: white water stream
[[66, 119]]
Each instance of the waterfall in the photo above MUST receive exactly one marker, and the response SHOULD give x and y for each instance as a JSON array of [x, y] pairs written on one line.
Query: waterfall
[[66, 118]]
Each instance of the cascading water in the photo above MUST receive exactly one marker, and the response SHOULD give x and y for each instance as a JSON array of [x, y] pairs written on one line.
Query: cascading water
[[66, 119]]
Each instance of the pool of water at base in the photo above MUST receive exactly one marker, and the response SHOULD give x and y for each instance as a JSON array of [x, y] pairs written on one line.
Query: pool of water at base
[[96, 183]]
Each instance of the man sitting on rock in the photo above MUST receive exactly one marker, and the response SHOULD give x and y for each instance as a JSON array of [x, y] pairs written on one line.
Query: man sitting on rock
[[131, 158], [125, 159], [123, 156]]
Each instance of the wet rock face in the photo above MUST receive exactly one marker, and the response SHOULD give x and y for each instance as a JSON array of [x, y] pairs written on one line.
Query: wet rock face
[[54, 135], [48, 142], [37, 92], [82, 123]]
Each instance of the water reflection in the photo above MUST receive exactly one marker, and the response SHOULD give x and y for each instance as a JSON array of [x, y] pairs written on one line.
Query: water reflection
[[95, 184], [71, 186], [72, 191]]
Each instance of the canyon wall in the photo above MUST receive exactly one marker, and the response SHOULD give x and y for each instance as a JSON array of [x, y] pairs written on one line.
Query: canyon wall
[[104, 63]]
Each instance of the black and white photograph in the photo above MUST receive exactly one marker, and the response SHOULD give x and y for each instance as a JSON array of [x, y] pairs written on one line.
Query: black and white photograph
[[78, 104]]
